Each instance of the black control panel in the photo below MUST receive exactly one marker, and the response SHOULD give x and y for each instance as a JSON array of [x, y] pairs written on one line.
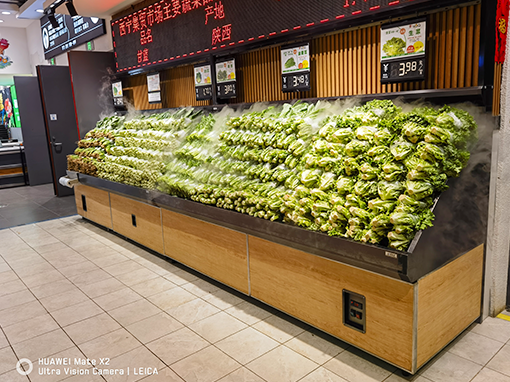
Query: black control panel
[[354, 306]]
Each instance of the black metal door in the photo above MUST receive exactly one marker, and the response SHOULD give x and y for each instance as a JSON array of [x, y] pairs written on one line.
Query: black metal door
[[60, 120], [34, 131]]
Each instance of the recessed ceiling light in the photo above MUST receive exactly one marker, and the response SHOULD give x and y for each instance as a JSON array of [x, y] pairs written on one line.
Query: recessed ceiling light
[[1, 21], [6, 13], [40, 10]]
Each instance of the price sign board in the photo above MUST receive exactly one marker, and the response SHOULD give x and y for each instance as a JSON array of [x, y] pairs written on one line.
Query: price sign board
[[203, 82], [403, 51], [153, 83], [226, 78], [296, 68], [118, 96]]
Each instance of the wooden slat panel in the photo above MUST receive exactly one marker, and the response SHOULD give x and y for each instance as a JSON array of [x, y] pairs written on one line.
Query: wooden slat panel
[[310, 288], [344, 63], [213, 250], [462, 47], [476, 43], [455, 48], [97, 203], [469, 46], [449, 300]]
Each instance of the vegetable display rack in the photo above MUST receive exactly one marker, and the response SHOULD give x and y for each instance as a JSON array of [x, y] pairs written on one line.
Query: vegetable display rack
[[403, 307]]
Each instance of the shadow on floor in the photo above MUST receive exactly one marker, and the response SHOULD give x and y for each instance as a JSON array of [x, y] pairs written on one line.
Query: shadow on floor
[[25, 205]]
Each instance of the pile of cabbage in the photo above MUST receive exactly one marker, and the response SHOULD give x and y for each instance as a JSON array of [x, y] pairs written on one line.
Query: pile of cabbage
[[369, 173]]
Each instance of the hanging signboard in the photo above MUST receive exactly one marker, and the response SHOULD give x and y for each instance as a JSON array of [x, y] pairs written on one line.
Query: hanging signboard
[[296, 68], [203, 82], [118, 95], [172, 30], [403, 51], [153, 83], [70, 33], [154, 88], [226, 78]]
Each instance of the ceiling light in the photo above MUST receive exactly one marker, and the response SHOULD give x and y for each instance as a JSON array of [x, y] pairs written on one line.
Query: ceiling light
[[1, 21], [6, 13], [39, 10], [71, 9]]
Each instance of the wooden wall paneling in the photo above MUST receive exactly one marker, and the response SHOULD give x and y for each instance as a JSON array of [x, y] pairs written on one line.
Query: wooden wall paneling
[[97, 203], [376, 56], [442, 52], [455, 48], [310, 288], [359, 62], [449, 46], [469, 45], [218, 252], [350, 72], [462, 47], [145, 228], [476, 43], [449, 299]]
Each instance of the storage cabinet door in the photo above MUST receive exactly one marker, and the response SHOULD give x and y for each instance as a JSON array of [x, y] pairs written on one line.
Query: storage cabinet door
[[213, 250], [138, 221], [93, 204]]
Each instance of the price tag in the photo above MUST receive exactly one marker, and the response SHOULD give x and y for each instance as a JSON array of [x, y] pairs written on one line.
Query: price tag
[[203, 82], [296, 68], [226, 79], [403, 51], [226, 90], [411, 69]]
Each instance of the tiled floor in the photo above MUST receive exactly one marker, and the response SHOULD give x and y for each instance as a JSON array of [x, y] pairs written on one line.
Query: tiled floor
[[71, 290], [24, 205]]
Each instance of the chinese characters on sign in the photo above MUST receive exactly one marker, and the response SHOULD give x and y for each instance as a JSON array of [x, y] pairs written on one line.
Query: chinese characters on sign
[[403, 51], [144, 20], [169, 30]]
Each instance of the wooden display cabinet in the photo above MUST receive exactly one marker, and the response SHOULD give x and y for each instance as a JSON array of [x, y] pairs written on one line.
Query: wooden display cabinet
[[402, 322]]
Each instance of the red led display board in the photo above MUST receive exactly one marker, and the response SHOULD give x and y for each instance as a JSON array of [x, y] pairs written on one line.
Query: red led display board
[[172, 30]]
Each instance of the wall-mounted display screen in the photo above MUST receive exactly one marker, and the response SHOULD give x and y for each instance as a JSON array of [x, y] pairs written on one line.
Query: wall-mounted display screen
[[170, 30], [71, 32]]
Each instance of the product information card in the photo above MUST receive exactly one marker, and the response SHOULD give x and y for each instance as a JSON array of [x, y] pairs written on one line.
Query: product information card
[[226, 78], [296, 68], [403, 49], [203, 83]]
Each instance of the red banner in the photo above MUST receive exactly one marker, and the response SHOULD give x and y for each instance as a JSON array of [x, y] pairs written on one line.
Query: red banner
[[501, 27]]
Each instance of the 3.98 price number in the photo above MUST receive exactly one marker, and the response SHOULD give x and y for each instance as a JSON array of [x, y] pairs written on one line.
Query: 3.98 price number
[[227, 90], [296, 82], [403, 70]]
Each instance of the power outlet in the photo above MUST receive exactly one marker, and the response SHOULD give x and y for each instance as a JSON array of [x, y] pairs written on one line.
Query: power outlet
[[355, 309]]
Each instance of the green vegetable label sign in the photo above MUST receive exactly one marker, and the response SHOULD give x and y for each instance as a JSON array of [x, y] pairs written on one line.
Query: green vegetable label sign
[[403, 51], [403, 40], [296, 59], [226, 78], [203, 84], [296, 68]]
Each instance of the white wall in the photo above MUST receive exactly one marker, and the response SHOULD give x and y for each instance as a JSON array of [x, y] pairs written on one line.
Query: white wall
[[500, 243], [101, 44], [17, 52]]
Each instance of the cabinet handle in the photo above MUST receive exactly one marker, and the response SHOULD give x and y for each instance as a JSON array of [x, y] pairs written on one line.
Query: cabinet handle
[[84, 202], [133, 220]]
